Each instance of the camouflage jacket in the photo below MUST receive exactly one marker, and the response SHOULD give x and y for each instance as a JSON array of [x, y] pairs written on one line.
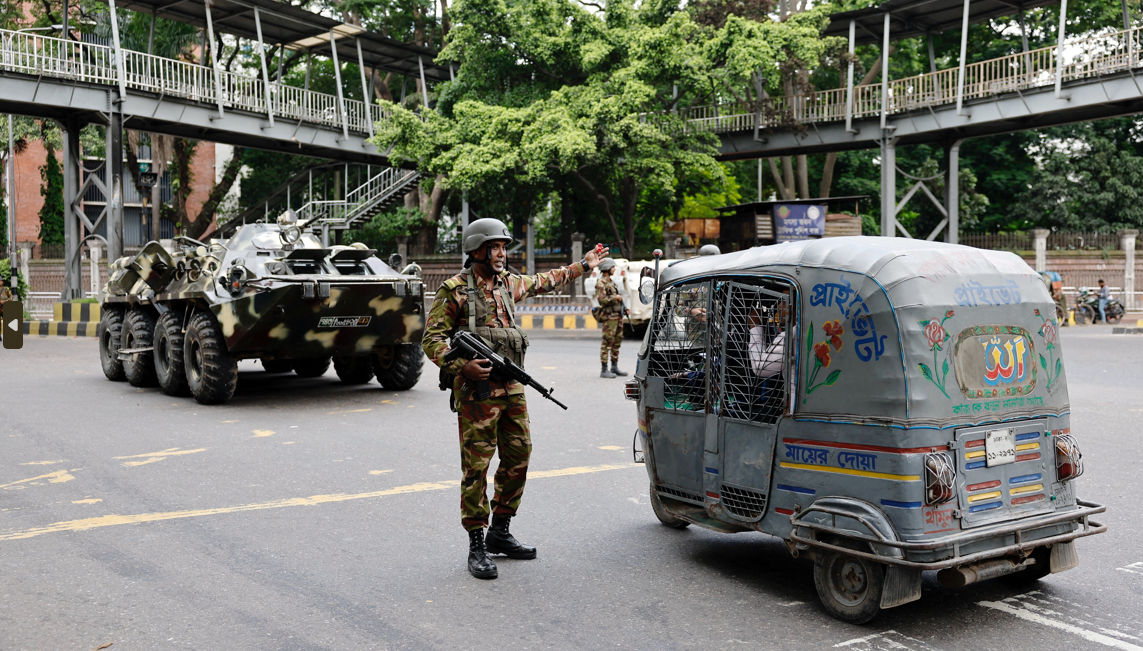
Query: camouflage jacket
[[449, 307], [609, 299]]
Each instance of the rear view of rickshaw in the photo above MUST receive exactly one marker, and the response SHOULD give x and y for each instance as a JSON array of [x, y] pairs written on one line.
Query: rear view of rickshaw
[[884, 406]]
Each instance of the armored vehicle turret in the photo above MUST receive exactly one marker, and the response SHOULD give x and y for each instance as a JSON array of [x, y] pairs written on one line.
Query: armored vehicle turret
[[182, 314]]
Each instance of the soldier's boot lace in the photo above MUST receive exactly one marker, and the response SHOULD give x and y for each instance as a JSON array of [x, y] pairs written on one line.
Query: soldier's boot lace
[[606, 373], [479, 565], [616, 371], [501, 541]]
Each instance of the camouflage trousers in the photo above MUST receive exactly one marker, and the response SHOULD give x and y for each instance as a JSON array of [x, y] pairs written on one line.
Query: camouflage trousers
[[612, 338], [497, 424]]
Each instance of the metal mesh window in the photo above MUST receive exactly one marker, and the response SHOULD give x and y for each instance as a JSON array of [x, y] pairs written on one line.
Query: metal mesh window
[[679, 345], [751, 326]]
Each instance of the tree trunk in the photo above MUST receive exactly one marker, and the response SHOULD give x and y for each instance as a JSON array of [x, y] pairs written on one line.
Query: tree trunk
[[381, 88], [788, 177], [182, 153], [446, 24], [803, 177], [218, 192], [782, 194]]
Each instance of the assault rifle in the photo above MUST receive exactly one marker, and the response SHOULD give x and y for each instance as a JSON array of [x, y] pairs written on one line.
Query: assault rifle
[[465, 345]]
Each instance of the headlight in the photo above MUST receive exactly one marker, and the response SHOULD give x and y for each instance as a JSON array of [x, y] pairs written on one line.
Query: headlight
[[291, 235], [1069, 461], [940, 479]]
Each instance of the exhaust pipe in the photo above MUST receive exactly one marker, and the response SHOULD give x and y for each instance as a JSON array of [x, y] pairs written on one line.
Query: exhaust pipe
[[958, 577]]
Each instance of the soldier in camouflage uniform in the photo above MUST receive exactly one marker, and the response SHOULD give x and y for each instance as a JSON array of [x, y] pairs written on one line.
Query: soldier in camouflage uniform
[[481, 299], [611, 311]]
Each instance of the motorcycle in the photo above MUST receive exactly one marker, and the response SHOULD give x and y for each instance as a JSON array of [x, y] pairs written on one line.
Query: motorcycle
[[1087, 307]]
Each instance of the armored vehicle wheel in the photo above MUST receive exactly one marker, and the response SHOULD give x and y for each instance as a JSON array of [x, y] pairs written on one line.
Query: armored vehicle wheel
[[398, 367], [1024, 578], [849, 587], [212, 373], [353, 370], [277, 365], [313, 367], [661, 513], [110, 336], [139, 332], [169, 368]]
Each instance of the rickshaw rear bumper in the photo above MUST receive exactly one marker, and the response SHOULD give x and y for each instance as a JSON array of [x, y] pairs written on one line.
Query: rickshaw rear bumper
[[994, 541]]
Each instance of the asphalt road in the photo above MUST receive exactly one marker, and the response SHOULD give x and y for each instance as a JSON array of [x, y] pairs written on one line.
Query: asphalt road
[[309, 515]]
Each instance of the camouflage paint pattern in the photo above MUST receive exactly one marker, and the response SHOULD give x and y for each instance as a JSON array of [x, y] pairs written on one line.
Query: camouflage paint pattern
[[612, 338], [290, 299], [451, 307], [487, 427]]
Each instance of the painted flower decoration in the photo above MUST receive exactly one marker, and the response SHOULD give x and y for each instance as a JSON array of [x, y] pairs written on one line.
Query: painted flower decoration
[[1048, 332], [834, 330], [822, 352], [936, 334], [949, 314], [1037, 311]]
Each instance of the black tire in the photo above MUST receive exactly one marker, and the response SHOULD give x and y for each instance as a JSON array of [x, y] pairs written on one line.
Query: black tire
[[312, 367], [664, 516], [1024, 578], [1084, 314], [1114, 315], [354, 370], [169, 368], [139, 332], [1061, 315], [398, 367], [277, 365], [849, 587], [212, 373], [110, 336]]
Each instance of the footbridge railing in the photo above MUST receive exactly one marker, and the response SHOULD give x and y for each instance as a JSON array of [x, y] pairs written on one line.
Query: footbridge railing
[[47, 56], [1086, 58]]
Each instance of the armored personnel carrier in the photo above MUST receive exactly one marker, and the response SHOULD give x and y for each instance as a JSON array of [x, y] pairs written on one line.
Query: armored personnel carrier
[[181, 316]]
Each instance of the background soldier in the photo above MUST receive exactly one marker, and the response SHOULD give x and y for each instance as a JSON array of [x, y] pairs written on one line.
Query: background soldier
[[482, 299], [611, 311]]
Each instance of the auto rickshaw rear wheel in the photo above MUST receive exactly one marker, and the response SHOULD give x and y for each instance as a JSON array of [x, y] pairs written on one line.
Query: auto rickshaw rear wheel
[[848, 586], [664, 516], [1042, 568]]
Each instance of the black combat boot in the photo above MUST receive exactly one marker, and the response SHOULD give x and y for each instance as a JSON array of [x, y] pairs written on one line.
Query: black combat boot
[[603, 372], [501, 541], [616, 371], [479, 565]]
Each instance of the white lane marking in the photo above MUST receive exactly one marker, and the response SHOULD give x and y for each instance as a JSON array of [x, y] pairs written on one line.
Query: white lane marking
[[889, 640], [1029, 616], [792, 603], [1046, 610], [1134, 568]]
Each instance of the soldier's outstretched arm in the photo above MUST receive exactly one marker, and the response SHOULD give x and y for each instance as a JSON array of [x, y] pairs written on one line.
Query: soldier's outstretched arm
[[542, 283], [439, 326]]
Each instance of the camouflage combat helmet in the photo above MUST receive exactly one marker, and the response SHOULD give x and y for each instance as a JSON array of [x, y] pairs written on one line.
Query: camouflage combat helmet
[[709, 249], [606, 265], [484, 230]]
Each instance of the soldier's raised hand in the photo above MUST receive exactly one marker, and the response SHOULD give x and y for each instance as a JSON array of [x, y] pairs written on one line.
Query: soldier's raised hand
[[596, 255]]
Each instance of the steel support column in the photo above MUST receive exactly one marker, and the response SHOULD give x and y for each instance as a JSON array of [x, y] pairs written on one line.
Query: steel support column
[[340, 94], [1060, 50], [73, 232], [151, 36], [213, 63], [114, 170], [963, 55], [885, 74], [118, 51], [952, 190], [848, 95], [11, 204], [365, 96], [265, 73], [888, 185], [424, 86]]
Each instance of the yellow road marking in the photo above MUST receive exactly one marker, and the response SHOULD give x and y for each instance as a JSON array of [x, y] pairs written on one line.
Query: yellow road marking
[[287, 442], [41, 463], [549, 368], [260, 433], [379, 472], [350, 411], [87, 501], [610, 447], [152, 457], [115, 520], [57, 477], [229, 421]]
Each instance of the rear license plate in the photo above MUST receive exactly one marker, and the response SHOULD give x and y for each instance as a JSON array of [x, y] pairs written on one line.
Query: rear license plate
[[1000, 446]]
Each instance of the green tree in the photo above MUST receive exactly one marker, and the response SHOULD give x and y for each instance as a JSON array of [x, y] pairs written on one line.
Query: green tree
[[52, 213]]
